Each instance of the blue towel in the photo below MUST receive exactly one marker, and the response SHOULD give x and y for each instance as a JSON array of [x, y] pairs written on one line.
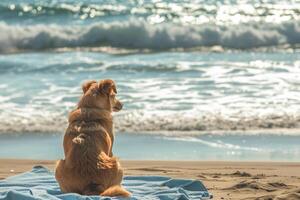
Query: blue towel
[[40, 183]]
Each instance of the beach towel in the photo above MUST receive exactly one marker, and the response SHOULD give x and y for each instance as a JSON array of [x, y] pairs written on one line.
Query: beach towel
[[40, 183]]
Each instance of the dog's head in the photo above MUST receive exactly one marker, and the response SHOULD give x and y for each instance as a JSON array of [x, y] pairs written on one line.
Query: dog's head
[[100, 95]]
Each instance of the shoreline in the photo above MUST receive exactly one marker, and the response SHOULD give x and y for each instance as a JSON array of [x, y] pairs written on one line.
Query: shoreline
[[205, 148], [223, 179]]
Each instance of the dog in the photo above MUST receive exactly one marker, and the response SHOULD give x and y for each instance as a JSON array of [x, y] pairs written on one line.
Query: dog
[[89, 167]]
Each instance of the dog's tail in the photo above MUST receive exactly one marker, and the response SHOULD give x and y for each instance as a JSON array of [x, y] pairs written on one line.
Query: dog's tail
[[116, 190]]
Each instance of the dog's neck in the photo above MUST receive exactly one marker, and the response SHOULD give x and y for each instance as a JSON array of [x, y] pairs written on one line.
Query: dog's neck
[[84, 114], [89, 114]]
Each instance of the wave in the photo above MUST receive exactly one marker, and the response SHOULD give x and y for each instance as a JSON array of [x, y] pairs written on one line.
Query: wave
[[201, 122], [182, 123], [141, 35]]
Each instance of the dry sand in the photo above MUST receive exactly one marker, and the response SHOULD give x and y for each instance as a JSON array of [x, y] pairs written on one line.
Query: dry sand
[[225, 180]]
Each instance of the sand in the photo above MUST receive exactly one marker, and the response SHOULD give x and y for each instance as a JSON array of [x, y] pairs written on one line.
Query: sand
[[225, 180]]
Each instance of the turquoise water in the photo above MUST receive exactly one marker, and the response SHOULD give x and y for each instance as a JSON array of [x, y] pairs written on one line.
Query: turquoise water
[[206, 76], [148, 147]]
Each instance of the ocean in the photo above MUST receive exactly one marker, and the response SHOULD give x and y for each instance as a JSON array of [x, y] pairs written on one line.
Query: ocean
[[200, 80]]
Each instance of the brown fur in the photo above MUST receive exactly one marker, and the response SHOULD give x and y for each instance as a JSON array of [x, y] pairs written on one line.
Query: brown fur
[[89, 166]]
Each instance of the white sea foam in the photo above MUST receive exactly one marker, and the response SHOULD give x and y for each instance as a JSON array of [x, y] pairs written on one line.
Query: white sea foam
[[163, 93], [19, 120], [141, 35]]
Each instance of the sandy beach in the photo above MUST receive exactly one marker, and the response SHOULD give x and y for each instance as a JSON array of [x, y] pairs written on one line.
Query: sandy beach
[[225, 180]]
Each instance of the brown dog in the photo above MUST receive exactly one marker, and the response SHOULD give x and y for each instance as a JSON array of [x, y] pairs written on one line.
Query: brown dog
[[89, 166]]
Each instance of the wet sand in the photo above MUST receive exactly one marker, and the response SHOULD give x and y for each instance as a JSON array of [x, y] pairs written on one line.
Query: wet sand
[[225, 180]]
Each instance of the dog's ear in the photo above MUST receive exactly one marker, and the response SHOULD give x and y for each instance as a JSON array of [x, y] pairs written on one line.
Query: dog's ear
[[107, 86], [87, 85]]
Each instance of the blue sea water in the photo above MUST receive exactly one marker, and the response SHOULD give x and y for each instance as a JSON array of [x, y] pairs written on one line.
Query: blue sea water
[[143, 146], [216, 77]]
